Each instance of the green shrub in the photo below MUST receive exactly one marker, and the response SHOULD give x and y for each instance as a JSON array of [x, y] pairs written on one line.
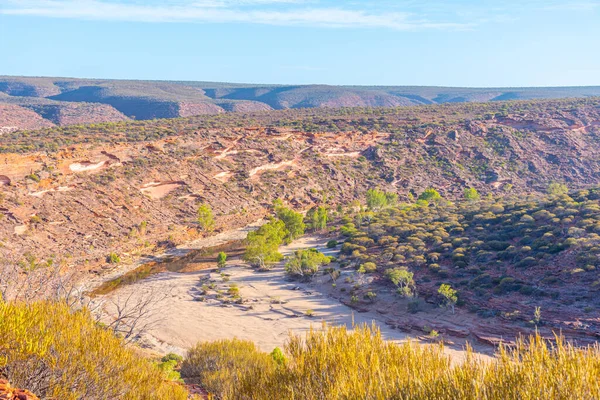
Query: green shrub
[[172, 357], [206, 219], [430, 195], [113, 258], [278, 356], [306, 263], [369, 267]]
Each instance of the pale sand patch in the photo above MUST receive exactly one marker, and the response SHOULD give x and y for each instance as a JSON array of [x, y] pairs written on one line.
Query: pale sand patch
[[352, 154], [86, 166], [271, 166], [158, 190], [225, 153], [43, 192], [276, 309], [20, 229], [223, 176]]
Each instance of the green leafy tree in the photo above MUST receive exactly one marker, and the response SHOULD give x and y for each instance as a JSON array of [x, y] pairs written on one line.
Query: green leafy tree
[[262, 244], [293, 221], [403, 279], [471, 194], [306, 263], [430, 195], [317, 218], [221, 259], [205, 218], [376, 199], [450, 296]]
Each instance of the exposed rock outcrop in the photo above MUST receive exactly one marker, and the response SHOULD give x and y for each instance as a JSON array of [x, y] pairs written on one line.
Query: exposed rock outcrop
[[7, 392]]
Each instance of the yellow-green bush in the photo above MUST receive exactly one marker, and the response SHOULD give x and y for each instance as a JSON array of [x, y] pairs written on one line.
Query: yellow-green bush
[[336, 364], [228, 368], [61, 354]]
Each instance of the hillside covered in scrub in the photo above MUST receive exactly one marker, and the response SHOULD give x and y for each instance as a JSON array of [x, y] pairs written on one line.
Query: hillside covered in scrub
[[76, 194], [65, 101], [519, 263]]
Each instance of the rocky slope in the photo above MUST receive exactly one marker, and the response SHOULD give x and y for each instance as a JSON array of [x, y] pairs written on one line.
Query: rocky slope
[[78, 113], [77, 194], [14, 117]]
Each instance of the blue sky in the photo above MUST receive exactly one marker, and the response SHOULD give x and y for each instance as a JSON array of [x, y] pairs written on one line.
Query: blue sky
[[362, 42]]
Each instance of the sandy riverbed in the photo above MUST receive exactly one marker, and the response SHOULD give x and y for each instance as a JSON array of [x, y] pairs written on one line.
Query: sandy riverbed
[[273, 307]]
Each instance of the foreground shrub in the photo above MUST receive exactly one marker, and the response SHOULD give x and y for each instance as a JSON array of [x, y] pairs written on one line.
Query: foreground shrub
[[60, 354], [336, 364], [228, 368]]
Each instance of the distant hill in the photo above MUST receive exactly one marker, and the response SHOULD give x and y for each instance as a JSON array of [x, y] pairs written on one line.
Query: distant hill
[[54, 98]]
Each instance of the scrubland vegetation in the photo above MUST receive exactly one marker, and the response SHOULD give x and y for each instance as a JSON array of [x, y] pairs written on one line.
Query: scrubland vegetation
[[337, 364], [399, 120], [58, 353], [540, 248]]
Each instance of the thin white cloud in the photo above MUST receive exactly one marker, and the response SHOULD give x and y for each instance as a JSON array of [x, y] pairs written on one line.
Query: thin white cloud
[[269, 12], [573, 5]]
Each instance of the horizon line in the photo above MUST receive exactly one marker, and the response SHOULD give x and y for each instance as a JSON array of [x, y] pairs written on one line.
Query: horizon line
[[299, 84]]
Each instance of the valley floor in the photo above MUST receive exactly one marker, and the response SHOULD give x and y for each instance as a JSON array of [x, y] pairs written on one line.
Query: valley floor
[[196, 306]]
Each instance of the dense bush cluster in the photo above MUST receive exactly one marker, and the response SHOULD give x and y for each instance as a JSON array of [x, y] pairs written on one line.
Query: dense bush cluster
[[490, 247]]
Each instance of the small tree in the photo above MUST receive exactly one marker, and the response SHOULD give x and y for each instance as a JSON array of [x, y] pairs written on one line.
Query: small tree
[[430, 195], [471, 194], [322, 218], [221, 259], [317, 218], [306, 263], [449, 295], [205, 218], [403, 279], [262, 244], [294, 222], [376, 199]]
